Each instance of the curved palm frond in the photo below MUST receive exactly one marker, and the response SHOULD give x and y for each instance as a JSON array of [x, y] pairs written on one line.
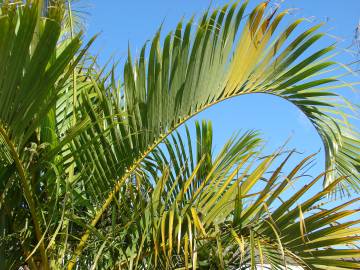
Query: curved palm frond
[[194, 70], [189, 74]]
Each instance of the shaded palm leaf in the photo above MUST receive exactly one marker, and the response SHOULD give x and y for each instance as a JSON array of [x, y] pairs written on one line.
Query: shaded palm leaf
[[33, 71]]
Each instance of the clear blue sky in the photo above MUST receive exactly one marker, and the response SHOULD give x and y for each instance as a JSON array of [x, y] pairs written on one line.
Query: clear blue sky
[[135, 22]]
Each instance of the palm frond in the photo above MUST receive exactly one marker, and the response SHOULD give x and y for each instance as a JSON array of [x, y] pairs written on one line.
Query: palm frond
[[231, 216], [195, 69], [30, 83]]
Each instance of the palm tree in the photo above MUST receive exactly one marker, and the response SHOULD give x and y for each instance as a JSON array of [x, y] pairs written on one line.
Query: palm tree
[[94, 173]]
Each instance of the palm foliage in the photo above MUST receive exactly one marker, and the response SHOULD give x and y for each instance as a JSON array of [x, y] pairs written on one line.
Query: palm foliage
[[213, 213], [94, 174]]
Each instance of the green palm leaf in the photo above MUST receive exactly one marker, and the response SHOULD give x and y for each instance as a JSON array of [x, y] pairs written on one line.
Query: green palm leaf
[[226, 217], [194, 70], [33, 72]]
